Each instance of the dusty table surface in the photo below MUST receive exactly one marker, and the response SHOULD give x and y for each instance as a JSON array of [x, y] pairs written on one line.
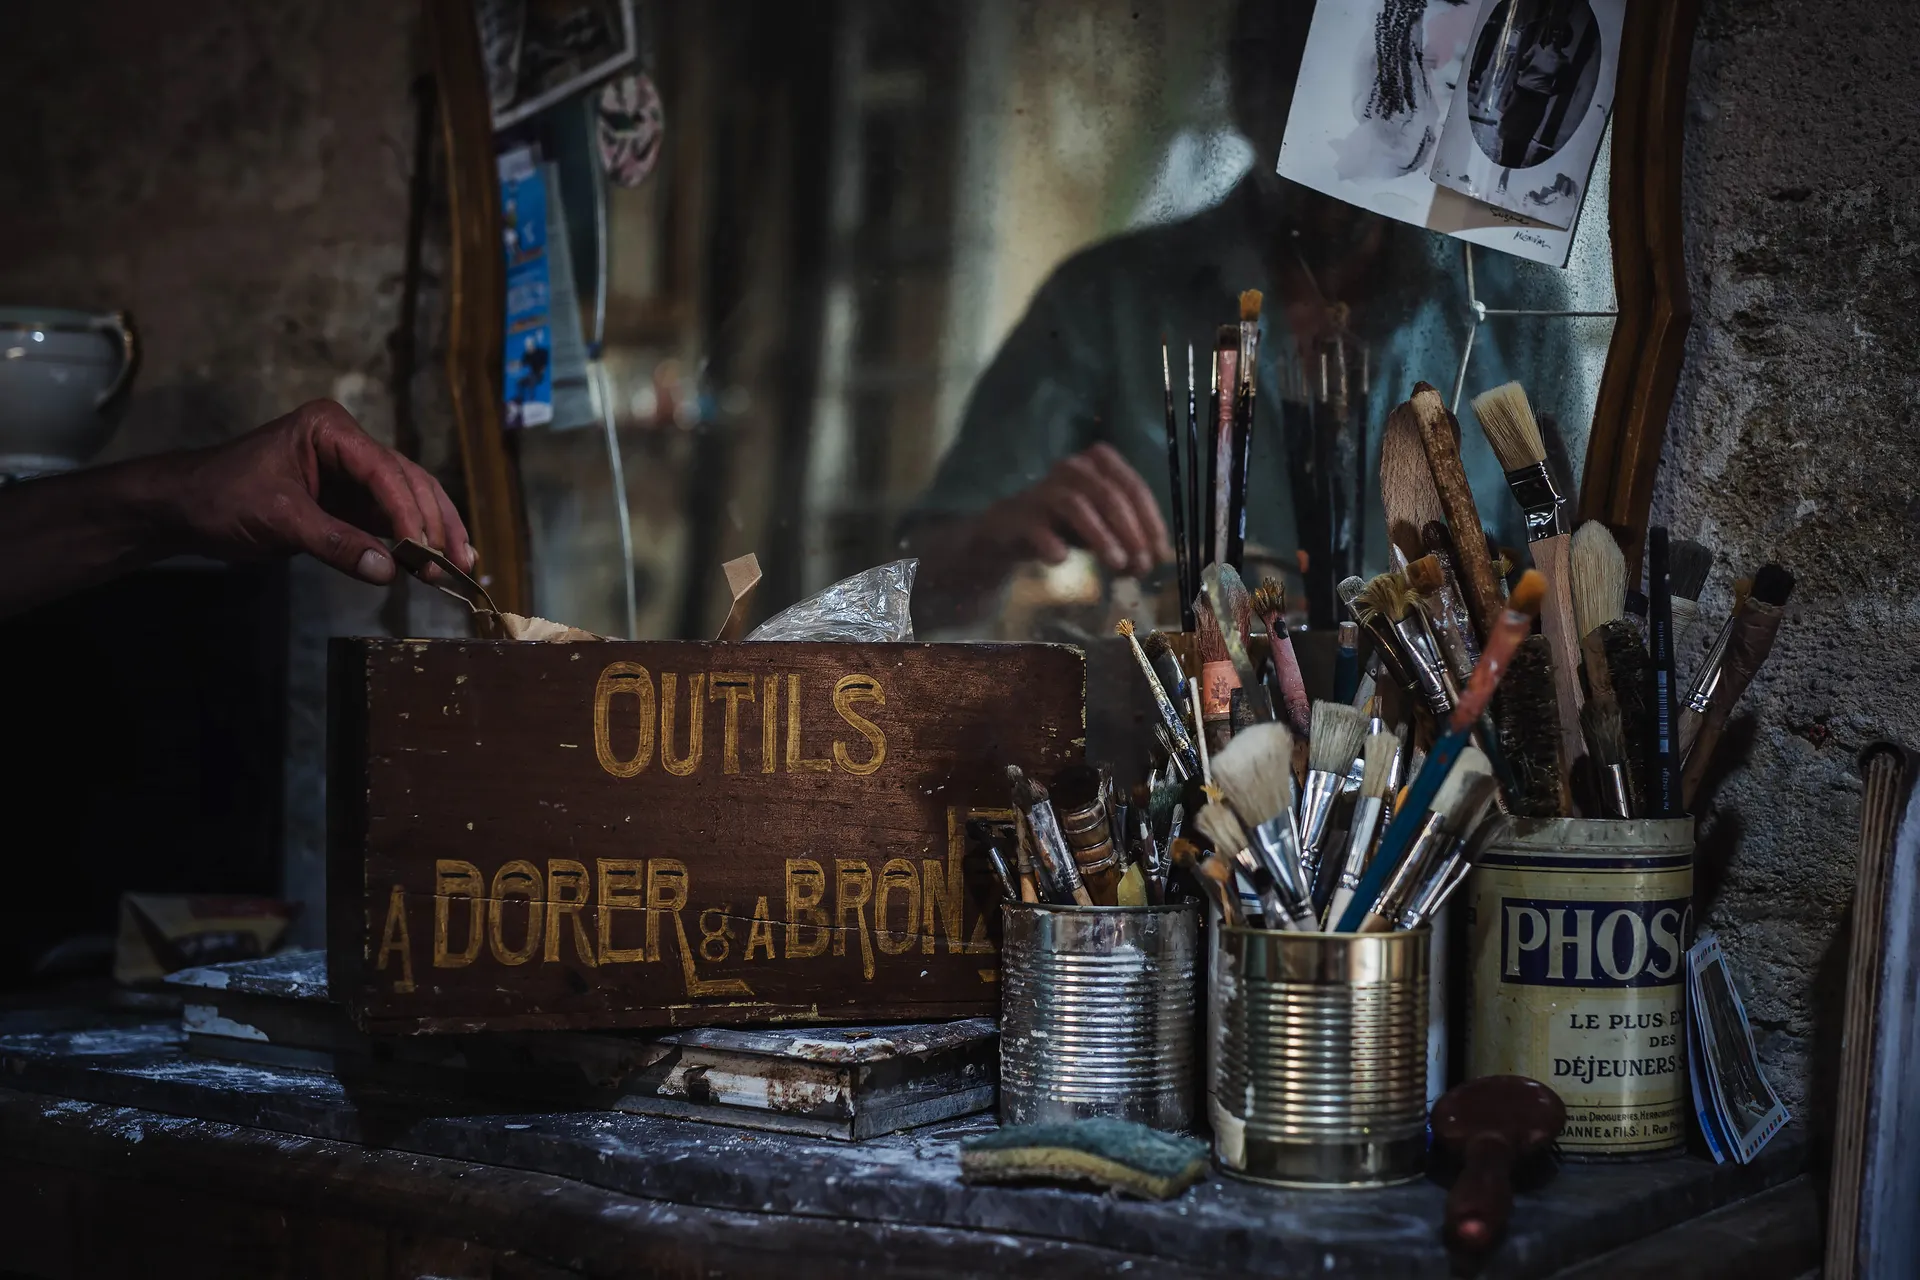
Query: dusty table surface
[[129, 1078]]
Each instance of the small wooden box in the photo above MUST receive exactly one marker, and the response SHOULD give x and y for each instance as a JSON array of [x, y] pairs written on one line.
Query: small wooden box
[[614, 834]]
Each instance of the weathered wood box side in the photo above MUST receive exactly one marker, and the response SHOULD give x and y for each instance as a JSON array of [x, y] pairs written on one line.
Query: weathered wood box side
[[617, 834]]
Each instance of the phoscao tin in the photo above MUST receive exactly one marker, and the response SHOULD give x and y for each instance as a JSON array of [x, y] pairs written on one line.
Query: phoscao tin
[[1579, 940]]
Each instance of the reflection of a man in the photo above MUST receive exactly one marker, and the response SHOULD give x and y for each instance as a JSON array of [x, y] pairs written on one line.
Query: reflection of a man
[[1063, 441], [1540, 79]]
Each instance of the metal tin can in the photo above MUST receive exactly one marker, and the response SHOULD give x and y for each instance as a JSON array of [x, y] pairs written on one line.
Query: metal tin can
[[1579, 942], [1321, 1065], [1097, 1009]]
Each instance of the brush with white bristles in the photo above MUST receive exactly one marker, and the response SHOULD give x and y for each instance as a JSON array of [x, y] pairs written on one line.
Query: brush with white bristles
[[1599, 578], [1511, 429], [1255, 773], [1469, 784], [1225, 832], [1338, 731], [1377, 777]]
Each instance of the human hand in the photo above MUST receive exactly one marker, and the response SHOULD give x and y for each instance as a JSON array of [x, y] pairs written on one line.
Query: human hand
[[311, 481], [1094, 499]]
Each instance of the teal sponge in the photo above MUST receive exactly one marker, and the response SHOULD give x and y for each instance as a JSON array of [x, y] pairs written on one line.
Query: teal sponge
[[1116, 1155]]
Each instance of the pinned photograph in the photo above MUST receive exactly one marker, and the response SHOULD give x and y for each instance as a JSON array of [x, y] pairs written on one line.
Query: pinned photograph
[[1369, 116], [1528, 114], [537, 52], [1748, 1110]]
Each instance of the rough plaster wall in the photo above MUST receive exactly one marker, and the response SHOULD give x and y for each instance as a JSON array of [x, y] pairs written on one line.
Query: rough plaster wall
[[1796, 438], [235, 173]]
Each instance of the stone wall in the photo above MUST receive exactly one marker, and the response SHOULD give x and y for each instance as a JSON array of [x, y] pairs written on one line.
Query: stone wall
[[1796, 438]]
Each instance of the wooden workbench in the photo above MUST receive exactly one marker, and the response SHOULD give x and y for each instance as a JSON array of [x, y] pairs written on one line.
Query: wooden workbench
[[125, 1155]]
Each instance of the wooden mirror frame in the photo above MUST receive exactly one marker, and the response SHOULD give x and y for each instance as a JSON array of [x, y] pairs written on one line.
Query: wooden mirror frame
[[1649, 272], [1630, 412]]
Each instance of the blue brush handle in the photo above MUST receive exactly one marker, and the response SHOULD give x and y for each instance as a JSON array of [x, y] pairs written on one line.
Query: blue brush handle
[[1346, 674], [1407, 820]]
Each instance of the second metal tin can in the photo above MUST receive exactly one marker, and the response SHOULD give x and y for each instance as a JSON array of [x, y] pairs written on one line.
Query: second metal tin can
[[1580, 929], [1097, 1013], [1321, 1073]]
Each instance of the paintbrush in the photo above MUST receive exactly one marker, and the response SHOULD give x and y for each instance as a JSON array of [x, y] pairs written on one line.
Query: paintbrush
[[1346, 664], [1771, 585], [1663, 773], [1195, 510], [1407, 495], [1198, 725], [1754, 628], [1457, 806], [1218, 678], [1523, 715], [1183, 752], [1222, 828], [1689, 563], [1248, 365], [1338, 731], [1390, 599], [1166, 664], [1451, 632], [1054, 860], [1214, 875], [1255, 774], [1598, 572], [1615, 661], [1226, 389], [1447, 877], [1376, 776], [1439, 544], [1269, 601], [1510, 626], [1440, 437], [1233, 607], [1607, 749], [1386, 646], [1507, 419], [1177, 508]]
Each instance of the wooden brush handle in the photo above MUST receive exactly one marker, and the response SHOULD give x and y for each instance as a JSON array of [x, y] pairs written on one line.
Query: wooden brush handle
[[1551, 556], [1481, 1199], [1747, 649], [1440, 437]]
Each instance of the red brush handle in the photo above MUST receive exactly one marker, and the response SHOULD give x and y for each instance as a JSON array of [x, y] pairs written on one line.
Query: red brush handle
[[1509, 629], [1481, 1200], [1286, 665]]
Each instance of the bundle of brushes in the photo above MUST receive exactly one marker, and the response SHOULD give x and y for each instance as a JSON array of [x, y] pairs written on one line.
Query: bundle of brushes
[[1080, 843]]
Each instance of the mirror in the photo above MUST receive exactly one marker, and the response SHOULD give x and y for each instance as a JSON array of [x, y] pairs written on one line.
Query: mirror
[[895, 263]]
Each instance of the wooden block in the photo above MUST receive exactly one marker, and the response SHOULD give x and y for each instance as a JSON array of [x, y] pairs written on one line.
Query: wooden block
[[538, 836]]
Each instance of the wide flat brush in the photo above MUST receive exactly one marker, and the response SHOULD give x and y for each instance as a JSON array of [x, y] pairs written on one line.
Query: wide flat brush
[[1513, 623], [1386, 645], [1529, 735], [1507, 418], [1407, 495], [1338, 732], [1178, 491], [1269, 601], [1689, 562], [1466, 794], [1440, 437], [1390, 599], [1255, 774]]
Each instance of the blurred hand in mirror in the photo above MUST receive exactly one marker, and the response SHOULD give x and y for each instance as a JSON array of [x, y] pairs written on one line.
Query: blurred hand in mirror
[[312, 481]]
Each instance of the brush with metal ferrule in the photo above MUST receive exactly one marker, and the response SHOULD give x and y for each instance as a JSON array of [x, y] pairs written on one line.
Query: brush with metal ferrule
[[1058, 871], [1607, 749], [1755, 624], [1387, 595], [1376, 776], [1447, 877], [1166, 664], [1439, 544], [1183, 749], [1452, 633], [1346, 663], [1507, 418], [1338, 731], [1386, 646], [1214, 875], [1772, 585], [1466, 793], [1269, 601], [1689, 562], [1255, 773], [1510, 625]]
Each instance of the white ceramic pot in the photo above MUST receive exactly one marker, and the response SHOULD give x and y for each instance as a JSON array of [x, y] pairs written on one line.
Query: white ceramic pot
[[64, 377]]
